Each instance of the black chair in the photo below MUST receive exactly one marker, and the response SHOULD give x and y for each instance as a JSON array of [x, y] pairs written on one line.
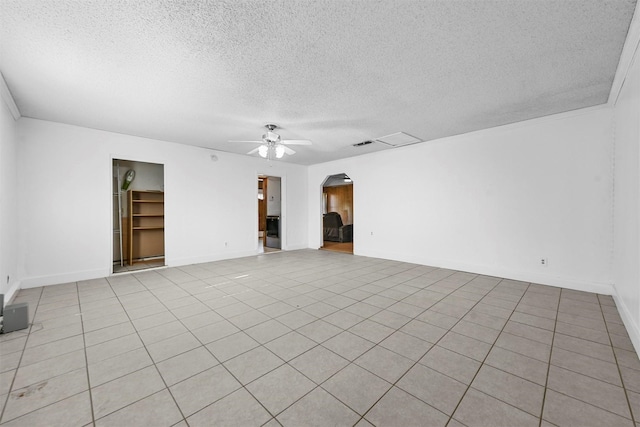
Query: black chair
[[334, 230]]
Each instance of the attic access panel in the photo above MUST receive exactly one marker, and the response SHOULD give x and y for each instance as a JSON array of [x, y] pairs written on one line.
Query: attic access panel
[[399, 139]]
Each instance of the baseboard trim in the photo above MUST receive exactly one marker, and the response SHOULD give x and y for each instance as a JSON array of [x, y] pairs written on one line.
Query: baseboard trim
[[178, 262], [11, 293], [295, 247], [506, 273], [627, 319], [76, 276]]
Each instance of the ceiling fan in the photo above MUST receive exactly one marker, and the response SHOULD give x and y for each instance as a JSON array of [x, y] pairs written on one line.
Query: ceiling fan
[[273, 146]]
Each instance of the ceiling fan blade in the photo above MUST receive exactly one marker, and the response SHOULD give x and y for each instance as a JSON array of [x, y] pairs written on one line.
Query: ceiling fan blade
[[288, 150], [255, 150], [296, 142], [258, 142]]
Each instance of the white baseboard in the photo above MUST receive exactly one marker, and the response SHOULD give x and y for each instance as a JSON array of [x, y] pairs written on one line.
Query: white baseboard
[[295, 247], [56, 279], [177, 262], [627, 319], [506, 273], [13, 290]]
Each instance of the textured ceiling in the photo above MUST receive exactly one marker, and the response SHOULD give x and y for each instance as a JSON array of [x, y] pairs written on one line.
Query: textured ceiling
[[336, 72]]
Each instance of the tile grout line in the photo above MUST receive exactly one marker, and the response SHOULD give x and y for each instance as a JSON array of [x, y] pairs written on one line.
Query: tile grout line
[[419, 289], [205, 347], [164, 299], [350, 362], [242, 386], [553, 338], [119, 298], [482, 363], [434, 344], [34, 347], [15, 374], [86, 359], [615, 356], [585, 375], [338, 309], [353, 362], [151, 358]]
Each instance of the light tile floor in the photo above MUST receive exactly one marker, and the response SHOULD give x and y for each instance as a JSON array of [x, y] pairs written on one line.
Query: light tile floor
[[307, 338], [144, 265]]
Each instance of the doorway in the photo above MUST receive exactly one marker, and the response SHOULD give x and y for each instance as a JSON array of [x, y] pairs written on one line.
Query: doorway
[[269, 214], [337, 213], [138, 215]]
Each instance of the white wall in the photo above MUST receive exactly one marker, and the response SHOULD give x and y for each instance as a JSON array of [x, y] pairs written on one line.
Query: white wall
[[491, 202], [148, 176], [66, 177], [274, 197], [626, 270], [8, 203]]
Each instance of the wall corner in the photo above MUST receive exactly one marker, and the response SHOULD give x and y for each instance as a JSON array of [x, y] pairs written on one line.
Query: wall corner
[[5, 93]]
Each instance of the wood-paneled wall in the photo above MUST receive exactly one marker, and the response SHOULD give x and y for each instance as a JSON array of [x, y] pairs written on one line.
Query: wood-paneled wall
[[340, 199]]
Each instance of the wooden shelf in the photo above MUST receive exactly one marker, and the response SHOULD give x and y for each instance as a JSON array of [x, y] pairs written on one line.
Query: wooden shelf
[[146, 225]]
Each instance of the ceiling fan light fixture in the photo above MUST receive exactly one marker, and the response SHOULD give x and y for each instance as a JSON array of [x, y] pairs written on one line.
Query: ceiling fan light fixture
[[273, 146], [271, 137]]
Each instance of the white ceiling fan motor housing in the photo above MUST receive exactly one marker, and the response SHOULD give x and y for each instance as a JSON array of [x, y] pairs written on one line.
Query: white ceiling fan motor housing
[[271, 137]]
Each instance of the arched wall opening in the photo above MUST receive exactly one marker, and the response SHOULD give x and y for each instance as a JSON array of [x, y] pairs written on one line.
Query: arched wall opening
[[337, 213]]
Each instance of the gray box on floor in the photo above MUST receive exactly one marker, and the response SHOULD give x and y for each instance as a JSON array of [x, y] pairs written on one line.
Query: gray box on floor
[[15, 317]]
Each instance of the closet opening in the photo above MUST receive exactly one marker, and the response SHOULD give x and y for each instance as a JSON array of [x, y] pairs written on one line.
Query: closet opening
[[138, 215], [337, 213], [269, 214]]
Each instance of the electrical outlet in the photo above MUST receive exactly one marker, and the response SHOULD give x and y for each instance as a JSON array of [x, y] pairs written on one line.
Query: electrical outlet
[[372, 233], [226, 244], [544, 262]]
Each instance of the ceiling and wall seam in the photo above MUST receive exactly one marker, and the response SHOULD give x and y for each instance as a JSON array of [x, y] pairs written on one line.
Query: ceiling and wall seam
[[612, 216], [195, 73], [629, 51], [133, 135], [502, 128], [623, 72], [8, 98]]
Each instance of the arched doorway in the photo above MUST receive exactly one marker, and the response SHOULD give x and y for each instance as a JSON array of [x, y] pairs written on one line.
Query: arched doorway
[[337, 213]]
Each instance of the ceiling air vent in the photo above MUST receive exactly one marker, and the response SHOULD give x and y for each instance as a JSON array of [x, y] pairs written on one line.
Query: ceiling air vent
[[363, 143], [398, 139]]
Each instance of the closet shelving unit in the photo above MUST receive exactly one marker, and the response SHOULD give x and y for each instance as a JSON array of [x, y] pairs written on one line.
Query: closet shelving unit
[[146, 225]]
